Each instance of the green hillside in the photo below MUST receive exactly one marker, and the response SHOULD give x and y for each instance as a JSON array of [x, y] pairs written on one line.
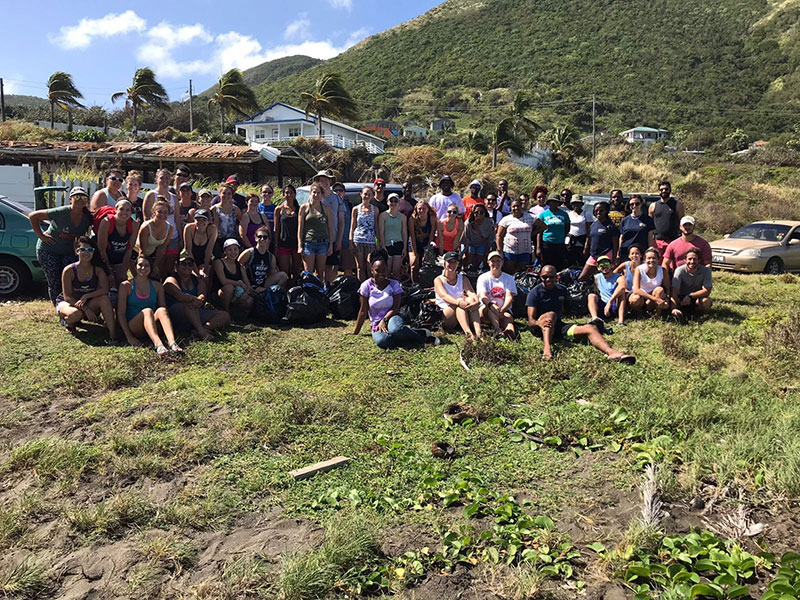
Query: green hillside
[[275, 69], [24, 101], [671, 63]]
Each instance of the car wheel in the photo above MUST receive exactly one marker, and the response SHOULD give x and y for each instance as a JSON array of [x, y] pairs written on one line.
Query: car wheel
[[14, 276], [774, 266]]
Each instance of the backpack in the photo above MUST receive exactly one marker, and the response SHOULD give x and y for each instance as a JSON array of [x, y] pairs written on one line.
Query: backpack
[[270, 306], [110, 212]]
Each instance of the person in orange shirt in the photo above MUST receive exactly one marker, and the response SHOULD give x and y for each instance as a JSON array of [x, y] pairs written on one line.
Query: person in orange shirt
[[473, 199]]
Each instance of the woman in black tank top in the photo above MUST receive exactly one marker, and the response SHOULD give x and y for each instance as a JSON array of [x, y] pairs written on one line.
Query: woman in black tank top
[[234, 285], [261, 265], [199, 238]]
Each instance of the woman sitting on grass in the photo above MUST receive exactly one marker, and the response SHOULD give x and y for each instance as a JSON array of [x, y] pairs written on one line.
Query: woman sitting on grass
[[651, 285], [187, 295], [629, 266], [141, 308], [380, 300], [84, 295], [457, 299], [261, 264], [234, 286], [154, 236], [496, 291]]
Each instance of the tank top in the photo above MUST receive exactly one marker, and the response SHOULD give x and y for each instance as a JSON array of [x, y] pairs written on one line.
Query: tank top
[[456, 291], [423, 233], [253, 227], [665, 218], [79, 288], [449, 237], [228, 226], [287, 234], [393, 228], [606, 287], [185, 211], [237, 276], [137, 303], [171, 217], [153, 242], [117, 242], [199, 250], [192, 291], [259, 266], [365, 226], [628, 277], [316, 226], [648, 284], [110, 200]]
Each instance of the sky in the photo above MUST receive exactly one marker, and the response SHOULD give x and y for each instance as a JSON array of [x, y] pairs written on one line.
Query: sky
[[101, 44]]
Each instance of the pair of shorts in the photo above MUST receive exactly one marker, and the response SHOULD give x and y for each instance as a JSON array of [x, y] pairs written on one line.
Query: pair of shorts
[[602, 307], [174, 246], [395, 248], [287, 251], [561, 331], [238, 292], [360, 249], [310, 248], [592, 260], [522, 257], [478, 249], [334, 259], [689, 308], [178, 316], [420, 247]]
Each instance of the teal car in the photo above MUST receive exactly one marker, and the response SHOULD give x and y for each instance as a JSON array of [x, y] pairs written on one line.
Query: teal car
[[18, 264]]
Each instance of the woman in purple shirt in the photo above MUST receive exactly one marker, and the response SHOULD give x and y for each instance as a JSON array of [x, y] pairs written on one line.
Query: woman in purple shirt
[[380, 300]]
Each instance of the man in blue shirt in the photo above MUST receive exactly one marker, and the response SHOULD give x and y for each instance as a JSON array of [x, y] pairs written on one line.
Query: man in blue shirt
[[545, 304], [550, 246]]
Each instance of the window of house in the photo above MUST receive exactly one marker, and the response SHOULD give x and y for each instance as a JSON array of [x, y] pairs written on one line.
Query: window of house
[[260, 134], [294, 132]]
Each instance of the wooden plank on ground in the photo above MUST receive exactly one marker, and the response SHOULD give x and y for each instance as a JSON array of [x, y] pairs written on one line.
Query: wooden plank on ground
[[319, 467]]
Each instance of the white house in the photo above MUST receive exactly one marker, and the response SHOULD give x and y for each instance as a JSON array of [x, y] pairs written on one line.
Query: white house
[[644, 135], [534, 158], [283, 123], [415, 131]]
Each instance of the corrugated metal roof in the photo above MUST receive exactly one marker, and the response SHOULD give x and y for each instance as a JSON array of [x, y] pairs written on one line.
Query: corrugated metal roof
[[172, 150]]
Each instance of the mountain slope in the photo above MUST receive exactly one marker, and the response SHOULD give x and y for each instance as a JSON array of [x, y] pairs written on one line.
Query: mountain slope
[[274, 70], [664, 62]]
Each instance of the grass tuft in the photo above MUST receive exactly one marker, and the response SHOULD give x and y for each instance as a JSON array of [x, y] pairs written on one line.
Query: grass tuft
[[112, 517], [53, 457], [25, 580]]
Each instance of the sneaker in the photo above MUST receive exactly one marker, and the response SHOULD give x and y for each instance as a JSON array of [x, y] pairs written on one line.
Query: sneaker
[[65, 325]]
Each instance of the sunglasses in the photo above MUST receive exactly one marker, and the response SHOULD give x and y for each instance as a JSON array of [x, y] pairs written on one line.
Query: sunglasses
[[117, 179], [452, 212], [380, 184], [663, 190], [393, 201], [86, 249], [262, 237], [566, 194], [547, 277]]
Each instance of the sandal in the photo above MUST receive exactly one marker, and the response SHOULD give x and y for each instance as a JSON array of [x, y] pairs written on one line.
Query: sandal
[[173, 347], [161, 350], [625, 359]]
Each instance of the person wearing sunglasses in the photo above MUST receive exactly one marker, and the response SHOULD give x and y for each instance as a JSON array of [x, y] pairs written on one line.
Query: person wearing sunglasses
[[393, 236], [666, 214], [187, 295], [109, 195], [251, 221], [261, 264], [84, 295], [266, 206], [380, 200], [545, 304], [56, 246], [637, 228], [450, 231]]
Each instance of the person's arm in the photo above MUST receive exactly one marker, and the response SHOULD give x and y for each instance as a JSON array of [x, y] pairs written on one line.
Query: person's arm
[[160, 294], [36, 219], [339, 227], [680, 210], [501, 235], [651, 238], [66, 286], [243, 223], [122, 307], [220, 273], [215, 214], [102, 240], [173, 290], [615, 248], [459, 234], [469, 293], [147, 204], [126, 259], [620, 290], [705, 253], [404, 235], [353, 218], [666, 262], [329, 214], [161, 250], [532, 320], [276, 222], [651, 209], [98, 201], [440, 232], [188, 242], [509, 300], [381, 230], [363, 311], [178, 219], [212, 233], [301, 225], [144, 237], [245, 283]]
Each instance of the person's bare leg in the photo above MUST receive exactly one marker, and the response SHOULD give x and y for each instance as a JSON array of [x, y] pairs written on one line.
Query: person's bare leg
[[149, 323], [703, 305], [413, 266], [594, 308], [280, 279], [226, 295], [71, 315], [308, 262], [192, 315], [490, 314], [597, 340], [587, 272], [218, 319], [622, 309], [162, 316], [464, 321], [103, 306], [475, 319], [320, 267]]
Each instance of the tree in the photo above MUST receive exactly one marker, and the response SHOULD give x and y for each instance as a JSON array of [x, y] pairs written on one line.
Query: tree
[[564, 145], [62, 92], [233, 95], [523, 125], [504, 137], [145, 91], [329, 97]]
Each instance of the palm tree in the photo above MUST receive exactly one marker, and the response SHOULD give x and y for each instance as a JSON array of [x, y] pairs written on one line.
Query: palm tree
[[233, 95], [523, 125], [329, 97], [62, 92], [504, 137], [564, 145], [145, 91]]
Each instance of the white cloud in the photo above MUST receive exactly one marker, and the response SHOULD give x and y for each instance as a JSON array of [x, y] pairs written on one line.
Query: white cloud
[[346, 4], [298, 29], [80, 36], [163, 39]]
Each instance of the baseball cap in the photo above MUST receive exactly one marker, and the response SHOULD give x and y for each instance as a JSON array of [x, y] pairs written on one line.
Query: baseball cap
[[553, 199], [230, 242], [448, 256], [185, 257], [494, 254], [687, 219], [576, 200], [78, 191], [185, 185], [205, 191], [475, 183], [445, 178], [202, 213], [379, 180], [393, 195], [603, 259], [232, 179]]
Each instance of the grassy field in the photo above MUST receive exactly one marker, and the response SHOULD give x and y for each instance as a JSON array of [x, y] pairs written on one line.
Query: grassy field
[[125, 476]]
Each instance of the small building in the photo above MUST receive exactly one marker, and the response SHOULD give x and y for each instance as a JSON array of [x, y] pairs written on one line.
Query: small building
[[644, 135], [386, 129], [282, 123], [443, 124], [415, 131], [533, 158]]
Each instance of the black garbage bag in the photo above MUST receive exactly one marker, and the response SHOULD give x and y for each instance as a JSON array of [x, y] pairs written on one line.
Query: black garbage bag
[[307, 301], [431, 254], [525, 281], [578, 298], [427, 273], [472, 274], [270, 305], [344, 297], [429, 315], [412, 301], [565, 277]]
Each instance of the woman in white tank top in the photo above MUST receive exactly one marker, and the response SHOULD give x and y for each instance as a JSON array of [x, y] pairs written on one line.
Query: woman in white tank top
[[651, 285], [457, 299]]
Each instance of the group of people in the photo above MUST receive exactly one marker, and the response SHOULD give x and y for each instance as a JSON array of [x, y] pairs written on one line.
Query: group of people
[[179, 260]]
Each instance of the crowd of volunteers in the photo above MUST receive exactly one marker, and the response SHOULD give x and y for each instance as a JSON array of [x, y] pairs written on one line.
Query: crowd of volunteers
[[179, 260]]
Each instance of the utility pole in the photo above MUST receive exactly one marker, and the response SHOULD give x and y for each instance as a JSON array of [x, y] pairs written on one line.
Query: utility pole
[[191, 117], [2, 100], [594, 130]]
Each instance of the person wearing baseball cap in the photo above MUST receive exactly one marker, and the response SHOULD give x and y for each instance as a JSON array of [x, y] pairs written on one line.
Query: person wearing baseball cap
[[238, 199], [473, 199], [458, 301], [199, 238], [496, 291], [186, 196], [444, 198], [609, 297], [55, 248], [675, 254], [338, 208], [234, 284]]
